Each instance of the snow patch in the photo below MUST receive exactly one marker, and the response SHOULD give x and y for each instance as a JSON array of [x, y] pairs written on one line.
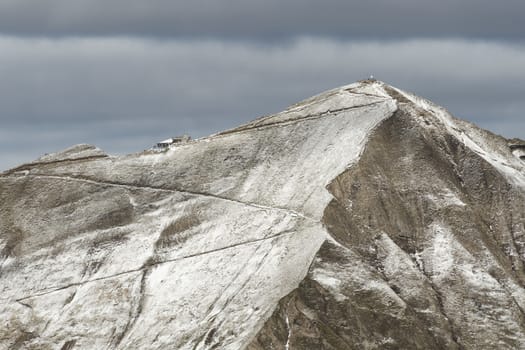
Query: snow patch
[[331, 283], [438, 259], [445, 199], [289, 328]]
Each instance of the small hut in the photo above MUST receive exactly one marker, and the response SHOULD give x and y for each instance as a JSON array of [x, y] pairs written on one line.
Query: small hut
[[517, 148], [164, 144]]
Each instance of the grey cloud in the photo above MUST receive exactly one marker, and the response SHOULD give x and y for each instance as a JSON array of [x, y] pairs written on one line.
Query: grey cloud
[[265, 20], [124, 94]]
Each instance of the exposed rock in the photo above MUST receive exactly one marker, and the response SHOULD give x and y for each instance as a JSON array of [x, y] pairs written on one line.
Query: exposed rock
[[364, 217]]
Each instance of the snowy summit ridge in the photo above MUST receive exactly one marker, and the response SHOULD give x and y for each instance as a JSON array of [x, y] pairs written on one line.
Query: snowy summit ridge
[[363, 217]]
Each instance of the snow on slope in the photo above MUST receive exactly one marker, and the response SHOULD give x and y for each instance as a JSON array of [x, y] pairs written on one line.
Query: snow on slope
[[218, 229], [194, 248]]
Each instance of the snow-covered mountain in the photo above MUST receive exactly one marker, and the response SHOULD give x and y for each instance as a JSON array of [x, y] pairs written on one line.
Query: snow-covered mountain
[[361, 218]]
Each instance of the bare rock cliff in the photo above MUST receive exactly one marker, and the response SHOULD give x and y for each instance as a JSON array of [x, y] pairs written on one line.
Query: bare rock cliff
[[362, 218]]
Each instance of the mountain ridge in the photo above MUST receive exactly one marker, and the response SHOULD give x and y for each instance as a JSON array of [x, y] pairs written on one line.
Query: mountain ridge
[[243, 234]]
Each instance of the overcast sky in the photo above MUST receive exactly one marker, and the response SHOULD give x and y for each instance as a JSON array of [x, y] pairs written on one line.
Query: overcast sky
[[123, 74]]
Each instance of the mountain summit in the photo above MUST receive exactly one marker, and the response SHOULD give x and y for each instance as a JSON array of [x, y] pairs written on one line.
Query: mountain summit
[[362, 218]]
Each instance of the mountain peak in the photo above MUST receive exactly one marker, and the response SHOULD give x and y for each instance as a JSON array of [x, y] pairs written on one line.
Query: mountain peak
[[341, 222]]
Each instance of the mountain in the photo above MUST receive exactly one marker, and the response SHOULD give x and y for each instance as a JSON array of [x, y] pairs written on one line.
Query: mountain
[[361, 218]]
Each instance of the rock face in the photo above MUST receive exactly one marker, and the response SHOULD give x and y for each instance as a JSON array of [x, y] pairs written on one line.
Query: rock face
[[362, 218]]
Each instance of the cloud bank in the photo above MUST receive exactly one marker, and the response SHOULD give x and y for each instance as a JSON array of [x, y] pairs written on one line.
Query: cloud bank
[[269, 20]]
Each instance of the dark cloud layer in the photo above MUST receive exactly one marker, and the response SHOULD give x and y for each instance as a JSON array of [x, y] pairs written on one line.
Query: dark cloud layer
[[265, 20]]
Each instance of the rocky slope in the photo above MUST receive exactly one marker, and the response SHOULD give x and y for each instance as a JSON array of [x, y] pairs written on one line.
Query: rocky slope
[[364, 217]]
